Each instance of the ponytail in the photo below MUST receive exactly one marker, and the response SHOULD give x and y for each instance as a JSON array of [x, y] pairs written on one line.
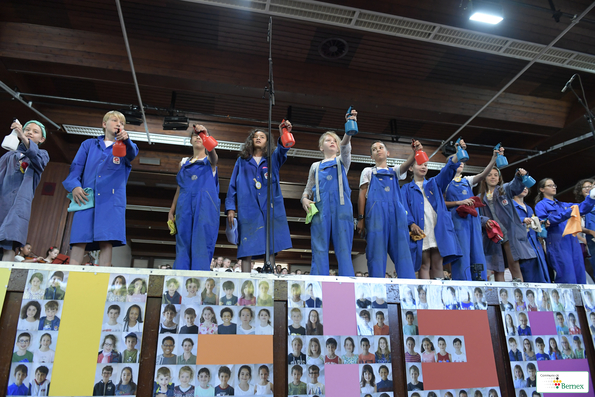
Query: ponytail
[[541, 185]]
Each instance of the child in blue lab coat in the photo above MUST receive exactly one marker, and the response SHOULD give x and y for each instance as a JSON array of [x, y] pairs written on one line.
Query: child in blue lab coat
[[468, 230], [196, 205], [382, 215], [247, 195], [563, 253], [428, 214], [329, 188], [20, 173], [95, 167]]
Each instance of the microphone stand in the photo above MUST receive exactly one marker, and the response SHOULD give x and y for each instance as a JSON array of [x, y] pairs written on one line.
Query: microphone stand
[[269, 230], [589, 115]]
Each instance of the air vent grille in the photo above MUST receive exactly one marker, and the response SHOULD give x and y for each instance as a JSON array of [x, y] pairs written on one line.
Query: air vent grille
[[336, 15]]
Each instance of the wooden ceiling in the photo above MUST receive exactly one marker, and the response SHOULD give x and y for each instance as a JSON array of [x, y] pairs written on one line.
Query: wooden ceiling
[[215, 60]]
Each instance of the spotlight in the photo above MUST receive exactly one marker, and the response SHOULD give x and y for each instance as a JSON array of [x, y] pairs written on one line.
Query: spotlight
[[133, 115], [175, 123], [449, 149], [486, 11]]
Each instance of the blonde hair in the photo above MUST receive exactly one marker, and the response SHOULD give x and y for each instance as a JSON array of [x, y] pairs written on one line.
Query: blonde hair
[[111, 113], [335, 137]]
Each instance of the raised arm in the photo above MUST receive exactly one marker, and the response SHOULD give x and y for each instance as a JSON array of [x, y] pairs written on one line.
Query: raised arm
[[403, 168], [480, 177]]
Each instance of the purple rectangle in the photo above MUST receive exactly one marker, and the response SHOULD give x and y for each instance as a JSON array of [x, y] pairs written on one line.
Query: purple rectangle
[[567, 365], [542, 323], [342, 380], [338, 309]]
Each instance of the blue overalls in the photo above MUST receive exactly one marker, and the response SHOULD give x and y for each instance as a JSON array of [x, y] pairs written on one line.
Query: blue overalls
[[468, 232], [333, 220], [197, 215], [534, 270], [386, 226], [563, 253]]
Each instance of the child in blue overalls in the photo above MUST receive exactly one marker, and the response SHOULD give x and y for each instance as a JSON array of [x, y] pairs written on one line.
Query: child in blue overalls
[[329, 188], [20, 173], [563, 253], [534, 270], [382, 215], [468, 230], [195, 208], [94, 166], [428, 213], [247, 193]]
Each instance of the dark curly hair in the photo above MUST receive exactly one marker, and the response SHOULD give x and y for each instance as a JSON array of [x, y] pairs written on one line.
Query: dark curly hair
[[578, 189], [247, 150]]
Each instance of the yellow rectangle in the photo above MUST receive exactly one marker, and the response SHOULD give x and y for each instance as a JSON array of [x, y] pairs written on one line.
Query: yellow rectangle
[[4, 277], [234, 349], [80, 330]]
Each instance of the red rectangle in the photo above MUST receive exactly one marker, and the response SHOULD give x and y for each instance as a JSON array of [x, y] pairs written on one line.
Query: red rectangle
[[480, 368]]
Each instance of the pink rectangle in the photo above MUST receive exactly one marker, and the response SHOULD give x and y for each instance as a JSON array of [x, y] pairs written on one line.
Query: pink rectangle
[[338, 309], [567, 365], [542, 323], [341, 380]]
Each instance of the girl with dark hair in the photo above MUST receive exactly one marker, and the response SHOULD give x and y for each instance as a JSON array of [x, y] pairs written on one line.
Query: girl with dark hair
[[247, 194], [563, 252], [498, 197], [586, 238]]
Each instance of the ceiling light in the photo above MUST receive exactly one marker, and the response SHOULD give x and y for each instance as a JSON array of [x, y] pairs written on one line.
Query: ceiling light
[[175, 123], [486, 11]]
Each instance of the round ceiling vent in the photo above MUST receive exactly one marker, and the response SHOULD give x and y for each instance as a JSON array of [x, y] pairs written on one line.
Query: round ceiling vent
[[333, 48]]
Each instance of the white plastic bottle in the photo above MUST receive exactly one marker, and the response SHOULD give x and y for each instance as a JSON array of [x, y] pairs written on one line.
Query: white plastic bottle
[[11, 141]]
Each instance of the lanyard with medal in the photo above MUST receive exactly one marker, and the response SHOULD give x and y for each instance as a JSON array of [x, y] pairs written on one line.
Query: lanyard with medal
[[257, 184]]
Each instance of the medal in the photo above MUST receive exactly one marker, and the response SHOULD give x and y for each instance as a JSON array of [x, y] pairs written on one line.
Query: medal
[[257, 184]]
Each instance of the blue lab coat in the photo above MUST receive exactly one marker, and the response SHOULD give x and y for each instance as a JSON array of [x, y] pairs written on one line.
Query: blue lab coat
[[333, 221], [517, 232], [197, 215], [17, 190], [468, 232], [590, 224], [96, 167], [564, 254], [434, 188], [386, 226], [250, 203], [534, 270]]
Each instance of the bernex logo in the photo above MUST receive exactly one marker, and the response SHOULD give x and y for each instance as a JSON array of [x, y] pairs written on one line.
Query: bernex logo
[[562, 382]]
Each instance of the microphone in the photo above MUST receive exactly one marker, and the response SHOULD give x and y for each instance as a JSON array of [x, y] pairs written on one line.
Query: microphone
[[569, 83]]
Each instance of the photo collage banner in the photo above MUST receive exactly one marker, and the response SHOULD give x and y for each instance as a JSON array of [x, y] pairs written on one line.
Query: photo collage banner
[[542, 333], [37, 332], [446, 334], [121, 335], [339, 340], [228, 325]]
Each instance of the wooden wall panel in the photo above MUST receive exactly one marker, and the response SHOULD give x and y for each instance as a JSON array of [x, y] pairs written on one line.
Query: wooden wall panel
[[48, 213]]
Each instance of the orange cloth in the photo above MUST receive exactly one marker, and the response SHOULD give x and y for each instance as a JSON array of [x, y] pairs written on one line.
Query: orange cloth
[[573, 225]]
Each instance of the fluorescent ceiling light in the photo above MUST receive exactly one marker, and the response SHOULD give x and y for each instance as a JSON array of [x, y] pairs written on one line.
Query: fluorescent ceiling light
[[486, 12], [486, 18]]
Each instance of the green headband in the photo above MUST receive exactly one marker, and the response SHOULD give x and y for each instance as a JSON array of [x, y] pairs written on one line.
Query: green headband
[[35, 122]]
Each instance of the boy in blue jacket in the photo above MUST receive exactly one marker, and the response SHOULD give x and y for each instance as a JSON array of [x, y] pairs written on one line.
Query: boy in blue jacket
[[95, 167]]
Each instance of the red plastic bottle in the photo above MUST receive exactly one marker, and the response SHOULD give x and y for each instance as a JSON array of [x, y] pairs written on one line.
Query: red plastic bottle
[[209, 142], [119, 148], [286, 137], [420, 156]]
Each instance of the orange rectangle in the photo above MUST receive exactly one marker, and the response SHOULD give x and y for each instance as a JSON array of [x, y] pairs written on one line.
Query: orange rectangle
[[234, 349]]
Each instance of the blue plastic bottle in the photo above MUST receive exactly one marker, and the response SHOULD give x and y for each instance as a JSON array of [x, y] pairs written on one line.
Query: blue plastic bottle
[[350, 125], [501, 161], [462, 154]]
